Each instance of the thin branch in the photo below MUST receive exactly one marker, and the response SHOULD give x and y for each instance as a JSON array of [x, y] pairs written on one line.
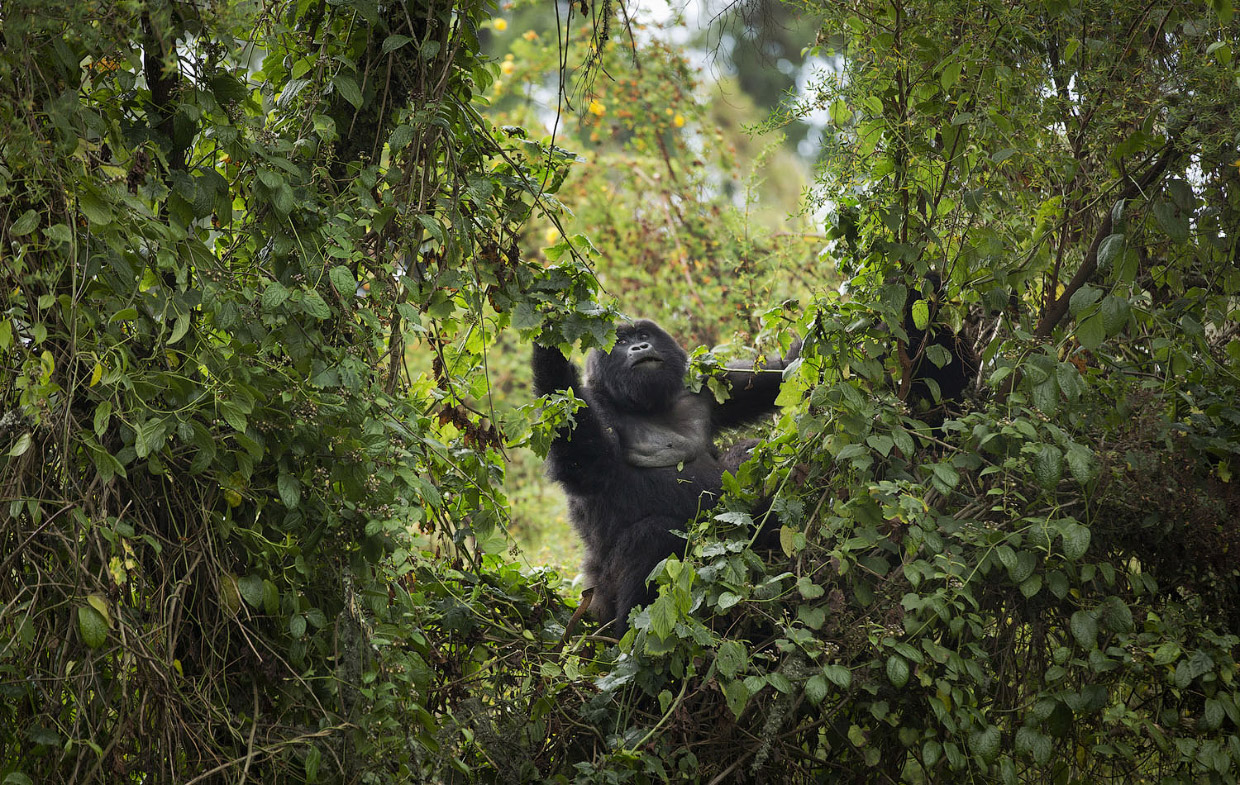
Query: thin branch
[[1057, 309]]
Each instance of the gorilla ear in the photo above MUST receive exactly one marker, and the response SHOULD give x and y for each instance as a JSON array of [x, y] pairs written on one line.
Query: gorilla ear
[[594, 366]]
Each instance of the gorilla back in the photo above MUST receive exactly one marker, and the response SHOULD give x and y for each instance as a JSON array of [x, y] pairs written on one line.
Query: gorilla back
[[641, 460]]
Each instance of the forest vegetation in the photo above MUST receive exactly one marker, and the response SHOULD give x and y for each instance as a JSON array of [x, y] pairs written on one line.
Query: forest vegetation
[[271, 504]]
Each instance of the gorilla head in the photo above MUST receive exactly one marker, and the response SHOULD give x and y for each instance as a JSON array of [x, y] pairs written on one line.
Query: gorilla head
[[643, 372]]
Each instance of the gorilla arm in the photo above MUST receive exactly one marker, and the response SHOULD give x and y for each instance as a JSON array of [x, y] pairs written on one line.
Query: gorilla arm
[[581, 455], [754, 390]]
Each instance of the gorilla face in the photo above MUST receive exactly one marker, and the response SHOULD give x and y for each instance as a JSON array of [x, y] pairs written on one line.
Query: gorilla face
[[644, 371]]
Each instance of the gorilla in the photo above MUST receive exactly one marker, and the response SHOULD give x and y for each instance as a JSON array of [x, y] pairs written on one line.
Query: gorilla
[[642, 460]]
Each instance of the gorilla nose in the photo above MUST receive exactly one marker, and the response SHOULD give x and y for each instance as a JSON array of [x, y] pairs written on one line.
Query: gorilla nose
[[639, 347]]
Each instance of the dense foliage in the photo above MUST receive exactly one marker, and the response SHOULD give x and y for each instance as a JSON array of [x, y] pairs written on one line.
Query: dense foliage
[[261, 264], [222, 227]]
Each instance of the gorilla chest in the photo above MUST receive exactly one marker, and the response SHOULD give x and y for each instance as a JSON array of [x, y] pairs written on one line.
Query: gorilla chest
[[676, 436]]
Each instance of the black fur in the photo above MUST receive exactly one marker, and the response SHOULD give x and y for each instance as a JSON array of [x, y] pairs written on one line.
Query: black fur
[[641, 460], [956, 375]]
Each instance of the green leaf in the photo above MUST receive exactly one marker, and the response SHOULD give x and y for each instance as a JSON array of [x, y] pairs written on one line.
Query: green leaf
[[1224, 10], [1026, 563], [838, 675], [736, 695], [95, 209], [1173, 221], [1076, 539], [1030, 586], [1091, 332], [1048, 466], [1114, 311], [21, 445], [1167, 653], [228, 89], [663, 616], [282, 199], [812, 616], [938, 355], [179, 328], [148, 437], [342, 279], [400, 138], [233, 415], [881, 444], [921, 314], [808, 589], [1069, 380], [1084, 629], [1034, 743], [92, 626], [1083, 298], [313, 758], [100, 604], [816, 689], [251, 589], [1115, 615], [1081, 463], [270, 178], [1046, 396], [985, 743], [1212, 717], [897, 671], [730, 659], [314, 305], [289, 489], [274, 295], [951, 74], [271, 598], [348, 88], [394, 42], [25, 224], [788, 540], [103, 413], [946, 475], [1111, 245], [839, 112]]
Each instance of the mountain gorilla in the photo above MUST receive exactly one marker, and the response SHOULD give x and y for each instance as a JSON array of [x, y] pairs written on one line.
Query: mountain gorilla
[[641, 460]]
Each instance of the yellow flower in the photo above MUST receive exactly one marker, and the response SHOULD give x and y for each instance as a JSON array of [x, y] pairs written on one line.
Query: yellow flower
[[507, 67], [596, 108], [530, 35], [500, 24], [679, 121]]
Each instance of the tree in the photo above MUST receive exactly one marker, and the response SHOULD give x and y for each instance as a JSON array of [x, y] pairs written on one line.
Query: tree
[[221, 227]]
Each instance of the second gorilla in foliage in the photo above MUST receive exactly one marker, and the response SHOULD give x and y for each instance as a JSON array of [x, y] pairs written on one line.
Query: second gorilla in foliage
[[641, 460]]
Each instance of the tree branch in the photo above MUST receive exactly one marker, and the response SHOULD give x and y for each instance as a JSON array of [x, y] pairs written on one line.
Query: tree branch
[[1057, 309]]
